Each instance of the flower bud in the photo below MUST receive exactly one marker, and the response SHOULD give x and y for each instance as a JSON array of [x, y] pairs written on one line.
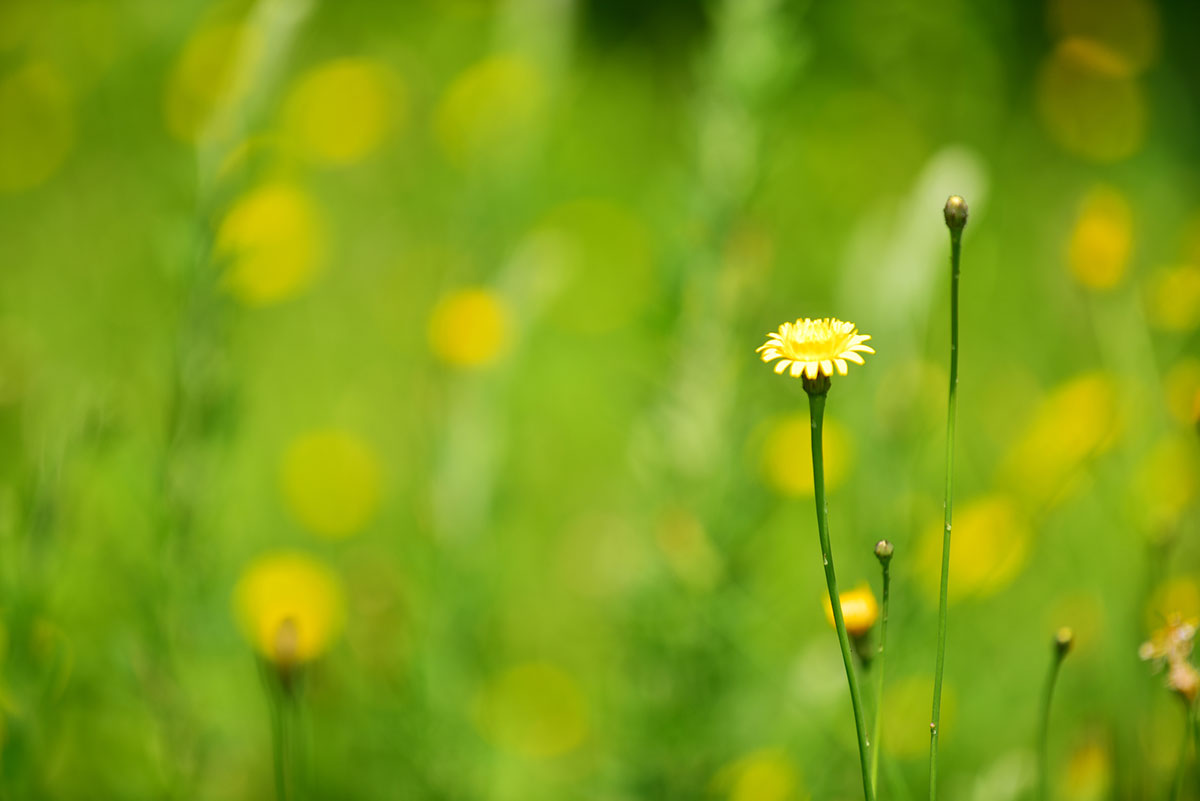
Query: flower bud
[[883, 551], [1064, 638], [859, 611], [956, 213]]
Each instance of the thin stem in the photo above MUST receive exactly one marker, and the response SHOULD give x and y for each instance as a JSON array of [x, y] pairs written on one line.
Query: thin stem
[[1188, 723], [281, 735], [935, 720], [1043, 734], [816, 404], [880, 661]]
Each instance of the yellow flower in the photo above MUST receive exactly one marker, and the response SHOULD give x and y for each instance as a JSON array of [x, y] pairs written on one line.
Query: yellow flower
[[470, 328], [1173, 642], [289, 607], [859, 610], [814, 347]]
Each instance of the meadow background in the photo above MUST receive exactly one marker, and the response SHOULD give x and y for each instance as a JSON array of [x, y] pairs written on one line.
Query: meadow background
[[453, 303]]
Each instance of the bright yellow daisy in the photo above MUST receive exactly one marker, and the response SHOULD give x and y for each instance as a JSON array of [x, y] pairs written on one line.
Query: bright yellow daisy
[[814, 347]]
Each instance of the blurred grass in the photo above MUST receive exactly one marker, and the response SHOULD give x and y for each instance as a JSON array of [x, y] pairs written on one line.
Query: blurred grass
[[587, 567]]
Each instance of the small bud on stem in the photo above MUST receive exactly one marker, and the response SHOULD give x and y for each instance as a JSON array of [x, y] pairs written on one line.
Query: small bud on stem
[[956, 213], [884, 551]]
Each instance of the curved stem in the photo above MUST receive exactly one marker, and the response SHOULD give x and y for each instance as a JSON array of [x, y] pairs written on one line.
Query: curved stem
[[935, 720], [816, 405], [1043, 734], [880, 659]]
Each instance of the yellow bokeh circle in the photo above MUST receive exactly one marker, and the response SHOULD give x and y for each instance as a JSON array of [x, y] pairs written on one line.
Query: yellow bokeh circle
[[273, 243], [1078, 420], [787, 455], [1167, 481], [763, 775], [1102, 239], [1178, 596], [1088, 105], [331, 482], [1127, 29], [470, 327], [1173, 298], [489, 110], [37, 126], [289, 606], [1182, 388], [992, 540], [340, 112], [535, 710]]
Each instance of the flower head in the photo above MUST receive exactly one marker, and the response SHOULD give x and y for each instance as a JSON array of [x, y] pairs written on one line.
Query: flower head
[[814, 347], [290, 608], [1172, 643], [859, 610], [1184, 679]]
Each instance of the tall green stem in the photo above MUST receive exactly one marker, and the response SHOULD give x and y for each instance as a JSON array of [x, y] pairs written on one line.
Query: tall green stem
[[816, 405], [1184, 747], [880, 661], [1062, 644], [282, 735], [955, 221]]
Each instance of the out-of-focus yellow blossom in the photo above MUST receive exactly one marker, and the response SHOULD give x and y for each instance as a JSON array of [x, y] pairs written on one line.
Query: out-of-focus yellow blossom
[[1077, 421], [203, 77], [470, 327], [331, 482], [991, 544], [814, 347], [1183, 678], [787, 455], [908, 701], [1182, 388], [1102, 239], [535, 710], [1128, 30], [489, 111], [688, 551], [1168, 480], [289, 606], [273, 241], [1089, 772], [1173, 298], [1177, 597], [339, 112], [763, 775], [1171, 643], [859, 610], [37, 126], [1088, 103]]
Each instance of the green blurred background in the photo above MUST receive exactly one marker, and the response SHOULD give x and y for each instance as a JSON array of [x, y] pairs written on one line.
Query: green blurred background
[[430, 325]]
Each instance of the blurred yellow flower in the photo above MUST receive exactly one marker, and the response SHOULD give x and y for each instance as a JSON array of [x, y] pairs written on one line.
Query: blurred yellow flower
[[991, 545], [1182, 388], [489, 110], [1173, 298], [814, 347], [535, 710], [1183, 678], [1177, 597], [1102, 239], [1089, 772], [331, 482], [763, 775], [289, 606], [470, 327], [1172, 642], [787, 455], [859, 610], [37, 126], [202, 79], [1089, 104], [340, 111], [1077, 421], [273, 241], [1168, 480], [1127, 30]]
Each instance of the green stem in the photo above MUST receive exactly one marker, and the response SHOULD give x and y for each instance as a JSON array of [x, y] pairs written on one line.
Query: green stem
[[1188, 723], [1043, 735], [880, 660], [935, 721], [816, 404], [281, 737]]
